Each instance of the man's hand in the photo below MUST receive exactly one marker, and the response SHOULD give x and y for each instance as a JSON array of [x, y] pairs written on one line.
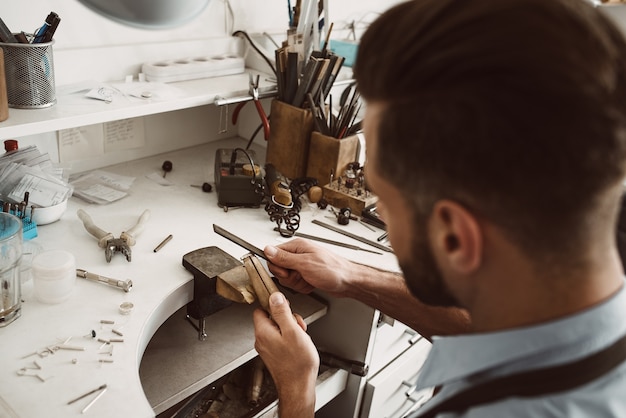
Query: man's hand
[[289, 355], [304, 266]]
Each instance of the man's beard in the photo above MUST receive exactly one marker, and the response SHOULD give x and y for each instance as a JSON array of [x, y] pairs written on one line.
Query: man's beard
[[421, 273]]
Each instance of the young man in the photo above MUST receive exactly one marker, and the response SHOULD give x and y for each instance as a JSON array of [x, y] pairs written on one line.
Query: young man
[[496, 142]]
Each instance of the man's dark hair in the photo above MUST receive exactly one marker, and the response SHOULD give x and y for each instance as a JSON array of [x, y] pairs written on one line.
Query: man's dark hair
[[514, 108]]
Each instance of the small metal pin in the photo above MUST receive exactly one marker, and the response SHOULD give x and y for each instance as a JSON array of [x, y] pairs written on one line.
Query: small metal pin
[[165, 241], [93, 401], [70, 347], [367, 226], [104, 343], [109, 351], [24, 372], [87, 394]]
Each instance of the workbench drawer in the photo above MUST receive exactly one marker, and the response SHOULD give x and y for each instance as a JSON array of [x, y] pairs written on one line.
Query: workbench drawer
[[229, 397], [176, 366], [391, 392], [330, 383], [392, 339]]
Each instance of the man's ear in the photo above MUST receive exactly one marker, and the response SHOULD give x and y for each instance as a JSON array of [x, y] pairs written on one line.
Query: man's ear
[[456, 237]]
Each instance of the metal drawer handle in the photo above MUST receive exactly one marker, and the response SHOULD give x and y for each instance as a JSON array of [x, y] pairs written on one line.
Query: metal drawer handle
[[415, 336], [416, 402]]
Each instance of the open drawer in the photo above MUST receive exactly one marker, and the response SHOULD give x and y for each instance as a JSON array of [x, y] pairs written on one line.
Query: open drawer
[[177, 365]]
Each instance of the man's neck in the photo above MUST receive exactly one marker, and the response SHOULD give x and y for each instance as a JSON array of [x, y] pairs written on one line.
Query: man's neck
[[528, 301]]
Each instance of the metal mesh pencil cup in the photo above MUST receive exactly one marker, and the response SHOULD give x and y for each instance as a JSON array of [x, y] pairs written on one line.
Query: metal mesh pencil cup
[[29, 72]]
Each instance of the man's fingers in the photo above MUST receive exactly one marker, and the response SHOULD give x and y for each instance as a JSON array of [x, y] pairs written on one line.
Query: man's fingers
[[295, 281], [286, 255], [262, 322], [281, 311], [278, 256], [300, 321]]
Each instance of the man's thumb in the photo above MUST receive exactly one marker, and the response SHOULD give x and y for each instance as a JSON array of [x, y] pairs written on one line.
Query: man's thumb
[[279, 308]]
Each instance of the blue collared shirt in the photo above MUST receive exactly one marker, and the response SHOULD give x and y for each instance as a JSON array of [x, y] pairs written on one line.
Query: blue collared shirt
[[453, 361]]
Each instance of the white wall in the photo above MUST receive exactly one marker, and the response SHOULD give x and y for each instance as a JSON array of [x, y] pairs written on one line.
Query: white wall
[[90, 47]]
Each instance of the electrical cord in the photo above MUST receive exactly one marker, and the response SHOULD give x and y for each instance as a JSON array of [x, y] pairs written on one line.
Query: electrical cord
[[255, 133], [253, 45]]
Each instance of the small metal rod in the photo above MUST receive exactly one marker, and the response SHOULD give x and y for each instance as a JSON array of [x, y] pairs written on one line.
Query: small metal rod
[[87, 394], [93, 401], [221, 101], [353, 236], [367, 226], [70, 347], [201, 328], [165, 241], [329, 241]]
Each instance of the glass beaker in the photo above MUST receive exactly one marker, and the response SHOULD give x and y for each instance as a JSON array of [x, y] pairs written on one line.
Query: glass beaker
[[11, 241]]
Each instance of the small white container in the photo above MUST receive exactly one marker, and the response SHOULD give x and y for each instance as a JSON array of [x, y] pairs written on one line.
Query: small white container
[[54, 275]]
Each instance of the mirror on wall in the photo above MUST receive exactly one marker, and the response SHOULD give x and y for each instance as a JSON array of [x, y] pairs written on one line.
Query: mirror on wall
[[148, 14]]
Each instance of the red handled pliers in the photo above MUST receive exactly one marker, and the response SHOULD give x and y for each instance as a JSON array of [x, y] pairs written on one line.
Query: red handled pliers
[[254, 92]]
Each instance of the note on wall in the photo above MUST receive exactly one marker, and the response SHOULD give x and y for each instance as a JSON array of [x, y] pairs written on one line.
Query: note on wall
[[124, 134], [76, 143]]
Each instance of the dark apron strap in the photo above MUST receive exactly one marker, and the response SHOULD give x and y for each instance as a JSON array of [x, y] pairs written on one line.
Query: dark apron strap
[[536, 382]]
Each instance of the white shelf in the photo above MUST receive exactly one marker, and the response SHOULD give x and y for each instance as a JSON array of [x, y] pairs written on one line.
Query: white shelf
[[74, 109]]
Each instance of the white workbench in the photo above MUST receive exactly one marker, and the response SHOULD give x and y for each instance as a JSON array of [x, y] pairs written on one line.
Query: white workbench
[[161, 286]]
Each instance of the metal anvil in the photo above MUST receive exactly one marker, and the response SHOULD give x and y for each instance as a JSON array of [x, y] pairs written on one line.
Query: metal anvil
[[220, 279]]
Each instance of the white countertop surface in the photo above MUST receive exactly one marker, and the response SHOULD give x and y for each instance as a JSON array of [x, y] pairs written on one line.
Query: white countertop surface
[[161, 285]]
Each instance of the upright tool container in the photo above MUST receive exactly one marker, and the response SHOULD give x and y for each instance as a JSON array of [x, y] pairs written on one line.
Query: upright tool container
[[29, 72]]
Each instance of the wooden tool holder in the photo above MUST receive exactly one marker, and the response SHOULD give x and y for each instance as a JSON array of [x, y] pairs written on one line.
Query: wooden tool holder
[[330, 155], [290, 134], [340, 196]]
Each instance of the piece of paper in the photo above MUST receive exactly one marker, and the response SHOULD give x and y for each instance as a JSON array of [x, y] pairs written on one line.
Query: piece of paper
[[124, 134], [76, 143], [98, 193], [42, 192], [159, 179], [101, 186]]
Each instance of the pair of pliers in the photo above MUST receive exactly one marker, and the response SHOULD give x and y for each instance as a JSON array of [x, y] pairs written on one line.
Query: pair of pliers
[[254, 92], [107, 241]]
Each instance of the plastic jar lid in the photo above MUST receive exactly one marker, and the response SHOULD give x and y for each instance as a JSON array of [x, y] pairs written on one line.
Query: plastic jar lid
[[53, 264], [10, 145]]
